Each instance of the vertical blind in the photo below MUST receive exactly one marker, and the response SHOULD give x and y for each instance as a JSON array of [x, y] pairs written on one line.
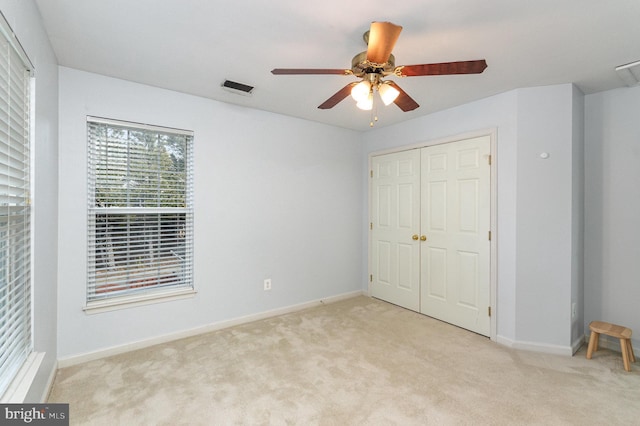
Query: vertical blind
[[140, 209], [15, 209]]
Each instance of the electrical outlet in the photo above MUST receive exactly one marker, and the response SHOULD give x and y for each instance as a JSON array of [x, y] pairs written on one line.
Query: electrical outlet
[[574, 310], [267, 284]]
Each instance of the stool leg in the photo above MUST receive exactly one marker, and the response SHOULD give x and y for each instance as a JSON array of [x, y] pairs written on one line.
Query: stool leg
[[593, 344], [632, 356], [625, 354]]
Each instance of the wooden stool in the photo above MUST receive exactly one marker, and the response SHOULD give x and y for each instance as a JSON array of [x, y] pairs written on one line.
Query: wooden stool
[[617, 331]]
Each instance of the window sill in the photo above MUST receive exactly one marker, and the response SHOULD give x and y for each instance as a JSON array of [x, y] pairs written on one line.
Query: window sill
[[126, 302], [20, 385]]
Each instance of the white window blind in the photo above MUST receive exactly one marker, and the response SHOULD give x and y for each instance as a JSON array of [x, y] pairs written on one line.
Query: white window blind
[[15, 209], [140, 209]]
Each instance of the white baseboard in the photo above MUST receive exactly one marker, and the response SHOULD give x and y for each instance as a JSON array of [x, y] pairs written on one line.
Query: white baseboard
[[577, 344], [49, 386], [115, 350], [539, 347]]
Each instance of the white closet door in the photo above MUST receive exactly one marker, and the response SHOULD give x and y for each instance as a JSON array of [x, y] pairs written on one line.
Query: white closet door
[[395, 219], [455, 218]]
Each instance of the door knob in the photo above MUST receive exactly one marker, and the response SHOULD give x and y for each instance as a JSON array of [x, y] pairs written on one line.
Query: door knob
[[415, 237], [423, 238]]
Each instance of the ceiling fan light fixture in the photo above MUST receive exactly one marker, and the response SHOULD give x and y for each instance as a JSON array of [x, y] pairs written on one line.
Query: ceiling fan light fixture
[[360, 91], [366, 103], [388, 93]]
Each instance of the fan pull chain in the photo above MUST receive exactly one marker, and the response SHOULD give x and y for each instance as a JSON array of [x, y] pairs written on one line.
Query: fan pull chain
[[374, 112], [374, 118]]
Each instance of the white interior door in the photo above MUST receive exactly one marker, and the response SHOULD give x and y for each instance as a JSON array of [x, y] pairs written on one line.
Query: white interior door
[[455, 218], [395, 220]]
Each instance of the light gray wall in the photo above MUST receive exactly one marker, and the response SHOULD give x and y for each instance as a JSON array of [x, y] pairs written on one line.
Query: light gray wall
[[535, 209], [545, 215], [275, 197], [612, 200], [24, 18]]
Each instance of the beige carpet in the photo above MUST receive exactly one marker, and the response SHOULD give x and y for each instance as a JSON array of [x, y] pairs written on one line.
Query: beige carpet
[[356, 362]]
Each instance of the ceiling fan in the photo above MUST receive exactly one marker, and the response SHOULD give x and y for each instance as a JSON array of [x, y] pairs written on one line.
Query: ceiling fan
[[376, 63]]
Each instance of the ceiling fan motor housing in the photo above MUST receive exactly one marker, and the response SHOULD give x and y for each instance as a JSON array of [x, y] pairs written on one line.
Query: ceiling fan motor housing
[[361, 66]]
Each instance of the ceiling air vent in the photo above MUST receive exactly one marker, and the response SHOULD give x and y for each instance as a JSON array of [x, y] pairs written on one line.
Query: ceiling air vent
[[237, 88], [629, 73]]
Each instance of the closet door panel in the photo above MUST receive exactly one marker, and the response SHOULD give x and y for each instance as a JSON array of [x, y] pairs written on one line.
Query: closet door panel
[[395, 221], [455, 213]]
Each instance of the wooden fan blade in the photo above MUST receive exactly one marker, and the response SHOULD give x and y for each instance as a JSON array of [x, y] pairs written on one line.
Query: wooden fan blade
[[338, 96], [404, 101], [382, 38], [295, 71], [444, 68]]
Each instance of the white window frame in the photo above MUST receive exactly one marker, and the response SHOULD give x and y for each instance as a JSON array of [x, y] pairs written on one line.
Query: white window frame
[[17, 359], [124, 217]]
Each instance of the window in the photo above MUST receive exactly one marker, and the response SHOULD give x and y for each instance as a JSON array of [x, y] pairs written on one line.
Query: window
[[15, 210], [140, 212]]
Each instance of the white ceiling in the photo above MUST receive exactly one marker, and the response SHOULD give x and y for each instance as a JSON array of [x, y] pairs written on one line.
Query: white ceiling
[[192, 46]]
